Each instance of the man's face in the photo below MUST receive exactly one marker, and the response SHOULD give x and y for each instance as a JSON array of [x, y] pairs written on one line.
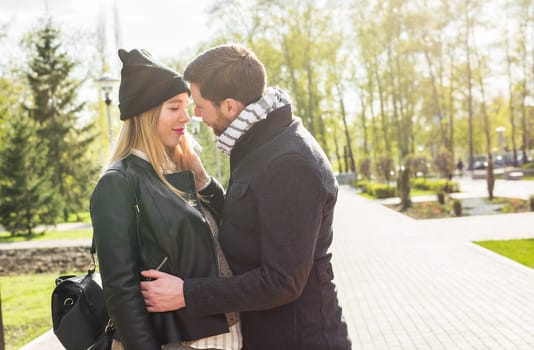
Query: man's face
[[211, 115]]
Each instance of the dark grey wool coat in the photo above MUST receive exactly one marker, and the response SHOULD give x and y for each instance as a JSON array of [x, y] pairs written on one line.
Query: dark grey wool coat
[[276, 231]]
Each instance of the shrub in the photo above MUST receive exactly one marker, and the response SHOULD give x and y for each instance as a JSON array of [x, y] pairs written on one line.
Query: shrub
[[444, 186], [531, 202], [436, 185], [361, 185], [457, 207], [381, 190], [421, 184], [374, 189]]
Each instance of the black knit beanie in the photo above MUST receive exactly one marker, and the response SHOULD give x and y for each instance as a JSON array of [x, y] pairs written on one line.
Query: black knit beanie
[[145, 83]]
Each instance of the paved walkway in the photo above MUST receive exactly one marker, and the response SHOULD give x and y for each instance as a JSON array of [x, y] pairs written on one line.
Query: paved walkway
[[407, 284]]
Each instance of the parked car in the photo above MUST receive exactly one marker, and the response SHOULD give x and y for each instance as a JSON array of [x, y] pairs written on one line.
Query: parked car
[[479, 162]]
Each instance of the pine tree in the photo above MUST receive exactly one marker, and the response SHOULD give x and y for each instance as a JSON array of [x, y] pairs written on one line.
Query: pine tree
[[56, 111], [27, 198]]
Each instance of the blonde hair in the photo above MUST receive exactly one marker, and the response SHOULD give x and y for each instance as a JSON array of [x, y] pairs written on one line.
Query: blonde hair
[[140, 132]]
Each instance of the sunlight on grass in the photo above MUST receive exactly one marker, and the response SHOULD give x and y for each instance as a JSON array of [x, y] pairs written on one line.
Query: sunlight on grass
[[417, 192], [520, 250], [366, 195], [67, 234], [84, 217], [26, 307]]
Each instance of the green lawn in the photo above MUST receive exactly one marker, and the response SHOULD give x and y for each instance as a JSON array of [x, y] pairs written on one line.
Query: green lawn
[[417, 192], [6, 237], [25, 307], [26, 298], [520, 250], [84, 216]]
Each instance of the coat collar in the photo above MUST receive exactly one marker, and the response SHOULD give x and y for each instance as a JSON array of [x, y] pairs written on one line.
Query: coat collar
[[260, 133]]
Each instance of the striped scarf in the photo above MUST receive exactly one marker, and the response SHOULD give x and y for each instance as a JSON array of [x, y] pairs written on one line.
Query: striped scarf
[[274, 98]]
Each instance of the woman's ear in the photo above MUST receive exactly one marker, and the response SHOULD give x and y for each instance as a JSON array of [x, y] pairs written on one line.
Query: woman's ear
[[231, 108]]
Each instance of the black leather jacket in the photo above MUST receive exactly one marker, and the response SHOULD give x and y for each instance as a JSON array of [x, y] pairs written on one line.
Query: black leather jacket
[[137, 221]]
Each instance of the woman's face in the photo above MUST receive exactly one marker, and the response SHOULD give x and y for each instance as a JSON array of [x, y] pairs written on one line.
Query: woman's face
[[172, 120]]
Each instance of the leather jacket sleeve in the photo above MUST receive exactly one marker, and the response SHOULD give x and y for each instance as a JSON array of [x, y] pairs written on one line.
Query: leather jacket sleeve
[[213, 198], [115, 232]]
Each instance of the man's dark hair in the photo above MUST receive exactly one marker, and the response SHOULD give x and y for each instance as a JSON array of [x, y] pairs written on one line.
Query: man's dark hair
[[228, 71]]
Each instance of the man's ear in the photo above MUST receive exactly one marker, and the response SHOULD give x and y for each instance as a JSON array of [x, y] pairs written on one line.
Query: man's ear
[[231, 108]]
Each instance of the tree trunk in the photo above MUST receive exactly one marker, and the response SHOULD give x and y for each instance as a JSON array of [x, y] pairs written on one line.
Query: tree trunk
[[490, 177], [435, 95], [404, 188], [338, 156], [383, 117], [469, 88], [345, 158], [364, 129], [510, 92], [346, 129], [451, 110]]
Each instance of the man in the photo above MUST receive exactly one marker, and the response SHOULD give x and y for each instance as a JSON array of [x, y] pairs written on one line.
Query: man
[[277, 222]]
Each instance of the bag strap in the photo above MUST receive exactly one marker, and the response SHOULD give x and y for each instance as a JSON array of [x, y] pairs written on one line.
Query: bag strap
[[110, 327]]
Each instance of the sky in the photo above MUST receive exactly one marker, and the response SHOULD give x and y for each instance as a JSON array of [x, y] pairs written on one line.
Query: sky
[[166, 28], [163, 27]]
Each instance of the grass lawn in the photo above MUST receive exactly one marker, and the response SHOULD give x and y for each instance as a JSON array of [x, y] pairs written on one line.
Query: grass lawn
[[417, 192], [520, 250], [26, 298], [25, 307], [6, 237], [84, 216]]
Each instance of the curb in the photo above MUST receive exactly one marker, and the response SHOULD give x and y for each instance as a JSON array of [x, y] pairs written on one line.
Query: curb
[[46, 341]]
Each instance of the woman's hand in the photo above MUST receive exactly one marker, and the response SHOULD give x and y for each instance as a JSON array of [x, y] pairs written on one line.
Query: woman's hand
[[202, 179]]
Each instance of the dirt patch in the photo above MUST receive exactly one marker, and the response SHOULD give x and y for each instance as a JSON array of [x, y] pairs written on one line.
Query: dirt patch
[[470, 207], [41, 260]]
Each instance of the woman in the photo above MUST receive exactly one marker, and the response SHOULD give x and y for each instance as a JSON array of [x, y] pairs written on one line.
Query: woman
[[146, 213]]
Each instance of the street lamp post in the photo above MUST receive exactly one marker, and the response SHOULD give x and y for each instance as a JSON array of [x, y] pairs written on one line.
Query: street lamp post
[[500, 132], [106, 84]]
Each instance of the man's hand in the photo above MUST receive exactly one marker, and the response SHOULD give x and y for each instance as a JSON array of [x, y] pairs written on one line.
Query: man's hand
[[164, 293]]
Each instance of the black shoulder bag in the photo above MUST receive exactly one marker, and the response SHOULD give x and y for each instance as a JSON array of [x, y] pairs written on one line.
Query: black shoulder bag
[[79, 316]]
